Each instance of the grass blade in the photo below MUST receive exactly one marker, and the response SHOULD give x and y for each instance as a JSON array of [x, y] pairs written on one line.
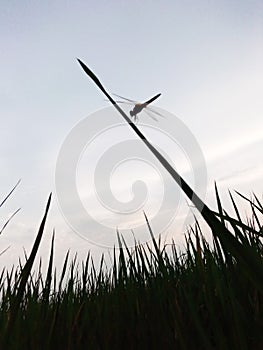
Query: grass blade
[[25, 274], [229, 243]]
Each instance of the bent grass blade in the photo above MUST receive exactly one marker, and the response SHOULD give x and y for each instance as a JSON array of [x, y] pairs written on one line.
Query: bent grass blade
[[251, 264]]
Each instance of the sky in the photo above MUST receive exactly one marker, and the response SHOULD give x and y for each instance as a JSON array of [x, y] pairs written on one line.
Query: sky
[[59, 135]]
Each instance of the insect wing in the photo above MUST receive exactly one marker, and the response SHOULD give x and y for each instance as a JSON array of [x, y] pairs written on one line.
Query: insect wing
[[125, 102], [150, 115], [126, 99], [155, 112]]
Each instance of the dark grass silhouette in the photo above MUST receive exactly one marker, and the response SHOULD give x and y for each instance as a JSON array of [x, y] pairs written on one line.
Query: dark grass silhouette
[[155, 298], [230, 245], [207, 297]]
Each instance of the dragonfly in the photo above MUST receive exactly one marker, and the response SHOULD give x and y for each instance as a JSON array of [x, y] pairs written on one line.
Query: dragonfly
[[138, 107]]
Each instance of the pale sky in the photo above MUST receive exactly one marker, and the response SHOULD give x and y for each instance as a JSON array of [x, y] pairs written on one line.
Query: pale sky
[[205, 57]]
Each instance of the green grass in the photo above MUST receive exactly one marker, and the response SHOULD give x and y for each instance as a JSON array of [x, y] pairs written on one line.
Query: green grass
[[152, 297]]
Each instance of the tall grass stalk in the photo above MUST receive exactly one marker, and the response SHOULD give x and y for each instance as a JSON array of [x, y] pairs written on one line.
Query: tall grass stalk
[[244, 255]]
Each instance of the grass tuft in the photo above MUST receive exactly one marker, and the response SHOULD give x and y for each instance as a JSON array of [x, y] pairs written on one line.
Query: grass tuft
[[159, 297]]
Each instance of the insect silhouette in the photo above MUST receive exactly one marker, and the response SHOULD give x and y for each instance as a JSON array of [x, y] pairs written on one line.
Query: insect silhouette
[[138, 107]]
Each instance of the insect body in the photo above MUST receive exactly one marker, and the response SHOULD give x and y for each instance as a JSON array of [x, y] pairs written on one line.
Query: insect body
[[138, 107]]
